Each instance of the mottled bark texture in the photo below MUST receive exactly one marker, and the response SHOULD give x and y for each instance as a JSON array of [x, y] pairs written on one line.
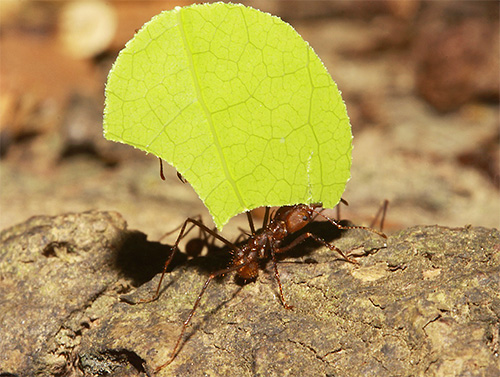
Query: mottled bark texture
[[425, 302]]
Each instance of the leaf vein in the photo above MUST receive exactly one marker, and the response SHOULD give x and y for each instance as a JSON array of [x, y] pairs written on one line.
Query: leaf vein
[[208, 115]]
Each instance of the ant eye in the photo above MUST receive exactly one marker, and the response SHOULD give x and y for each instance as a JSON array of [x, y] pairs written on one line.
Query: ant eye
[[305, 218]]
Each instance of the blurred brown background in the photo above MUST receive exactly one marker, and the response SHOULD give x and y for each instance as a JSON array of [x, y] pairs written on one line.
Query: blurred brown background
[[420, 79]]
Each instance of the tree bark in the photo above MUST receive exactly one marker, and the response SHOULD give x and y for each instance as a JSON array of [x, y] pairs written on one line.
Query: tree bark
[[424, 302]]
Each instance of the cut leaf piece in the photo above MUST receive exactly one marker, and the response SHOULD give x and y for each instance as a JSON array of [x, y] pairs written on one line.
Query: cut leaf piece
[[238, 103]]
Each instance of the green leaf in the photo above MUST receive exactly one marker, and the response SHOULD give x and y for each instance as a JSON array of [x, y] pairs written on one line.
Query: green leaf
[[238, 103]]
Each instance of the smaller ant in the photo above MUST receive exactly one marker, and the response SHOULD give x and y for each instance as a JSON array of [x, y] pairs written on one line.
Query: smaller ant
[[261, 244]]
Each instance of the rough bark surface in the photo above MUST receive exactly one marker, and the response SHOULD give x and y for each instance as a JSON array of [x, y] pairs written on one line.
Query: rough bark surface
[[424, 302]]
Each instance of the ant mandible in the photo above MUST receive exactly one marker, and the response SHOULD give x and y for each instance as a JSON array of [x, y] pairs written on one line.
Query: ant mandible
[[261, 244]]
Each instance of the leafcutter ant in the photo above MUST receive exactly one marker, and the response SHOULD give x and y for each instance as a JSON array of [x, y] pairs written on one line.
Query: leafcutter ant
[[262, 244]]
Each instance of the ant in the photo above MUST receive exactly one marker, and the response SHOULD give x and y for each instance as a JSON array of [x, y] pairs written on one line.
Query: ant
[[268, 241]]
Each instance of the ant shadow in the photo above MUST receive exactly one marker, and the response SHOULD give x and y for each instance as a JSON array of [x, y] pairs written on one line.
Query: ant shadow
[[141, 260]]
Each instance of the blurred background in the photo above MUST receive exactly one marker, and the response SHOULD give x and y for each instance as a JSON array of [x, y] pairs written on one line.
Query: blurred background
[[420, 80]]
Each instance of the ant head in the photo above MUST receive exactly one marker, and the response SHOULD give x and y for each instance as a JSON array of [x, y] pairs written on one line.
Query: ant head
[[298, 216]]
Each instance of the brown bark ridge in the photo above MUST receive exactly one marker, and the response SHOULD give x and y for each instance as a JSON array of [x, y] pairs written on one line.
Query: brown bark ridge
[[424, 302]]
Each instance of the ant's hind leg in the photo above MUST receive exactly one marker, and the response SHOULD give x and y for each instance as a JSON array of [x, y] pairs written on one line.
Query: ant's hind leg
[[191, 313], [277, 275]]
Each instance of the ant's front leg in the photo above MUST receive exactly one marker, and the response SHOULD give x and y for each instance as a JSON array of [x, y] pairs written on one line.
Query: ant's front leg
[[307, 235]]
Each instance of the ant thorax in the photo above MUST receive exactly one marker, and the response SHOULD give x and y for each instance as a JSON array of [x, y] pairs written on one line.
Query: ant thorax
[[277, 229], [247, 257]]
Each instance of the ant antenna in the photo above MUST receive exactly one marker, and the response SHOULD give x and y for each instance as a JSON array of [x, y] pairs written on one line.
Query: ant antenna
[[338, 225], [317, 213]]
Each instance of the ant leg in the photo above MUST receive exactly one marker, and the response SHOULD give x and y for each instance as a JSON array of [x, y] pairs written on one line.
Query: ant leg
[[202, 226], [179, 227], [356, 227], [195, 246], [250, 222], [162, 176], [191, 313], [342, 201], [266, 217], [181, 178], [339, 226], [167, 263], [382, 210], [277, 275], [305, 236]]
